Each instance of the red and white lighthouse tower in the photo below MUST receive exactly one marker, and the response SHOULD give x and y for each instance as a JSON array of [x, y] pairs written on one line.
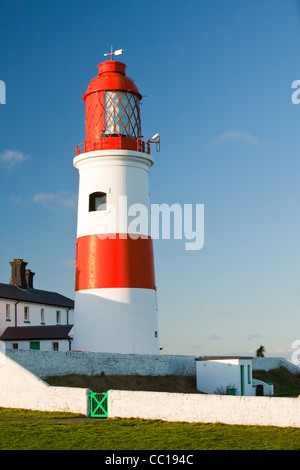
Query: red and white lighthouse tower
[[115, 292]]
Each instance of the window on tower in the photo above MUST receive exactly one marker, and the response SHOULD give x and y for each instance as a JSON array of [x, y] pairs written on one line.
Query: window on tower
[[122, 114], [97, 202]]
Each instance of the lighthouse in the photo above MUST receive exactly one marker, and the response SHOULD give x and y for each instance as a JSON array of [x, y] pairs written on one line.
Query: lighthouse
[[115, 292]]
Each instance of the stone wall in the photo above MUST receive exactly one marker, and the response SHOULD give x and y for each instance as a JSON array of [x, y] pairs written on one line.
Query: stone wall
[[57, 363], [268, 363]]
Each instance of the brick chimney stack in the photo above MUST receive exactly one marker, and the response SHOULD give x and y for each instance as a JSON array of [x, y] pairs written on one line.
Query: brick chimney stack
[[29, 278], [20, 276]]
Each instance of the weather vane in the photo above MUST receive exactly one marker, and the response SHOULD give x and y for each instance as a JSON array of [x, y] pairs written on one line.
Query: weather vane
[[116, 52]]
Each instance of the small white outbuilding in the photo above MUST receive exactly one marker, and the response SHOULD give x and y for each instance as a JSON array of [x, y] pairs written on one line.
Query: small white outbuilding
[[231, 375]]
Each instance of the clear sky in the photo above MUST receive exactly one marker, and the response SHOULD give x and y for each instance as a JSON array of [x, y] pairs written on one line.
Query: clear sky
[[216, 78]]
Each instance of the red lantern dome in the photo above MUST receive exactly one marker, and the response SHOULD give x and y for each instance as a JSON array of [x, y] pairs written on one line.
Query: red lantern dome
[[112, 114]]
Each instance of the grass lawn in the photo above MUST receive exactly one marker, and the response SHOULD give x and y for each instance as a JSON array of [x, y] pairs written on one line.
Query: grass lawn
[[24, 430], [28, 430]]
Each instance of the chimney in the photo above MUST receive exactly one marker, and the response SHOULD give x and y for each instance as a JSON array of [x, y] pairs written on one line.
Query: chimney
[[29, 278], [20, 276]]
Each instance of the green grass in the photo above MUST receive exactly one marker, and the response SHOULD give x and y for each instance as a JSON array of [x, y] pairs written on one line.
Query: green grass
[[137, 434], [29, 414], [31, 430]]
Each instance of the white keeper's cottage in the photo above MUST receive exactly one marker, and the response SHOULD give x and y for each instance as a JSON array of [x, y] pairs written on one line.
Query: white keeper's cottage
[[32, 318]]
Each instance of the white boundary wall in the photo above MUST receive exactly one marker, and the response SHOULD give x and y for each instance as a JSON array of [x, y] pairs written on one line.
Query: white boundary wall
[[261, 411], [19, 388]]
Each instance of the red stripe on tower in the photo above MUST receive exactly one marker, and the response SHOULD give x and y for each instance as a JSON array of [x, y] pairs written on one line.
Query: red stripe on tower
[[115, 261]]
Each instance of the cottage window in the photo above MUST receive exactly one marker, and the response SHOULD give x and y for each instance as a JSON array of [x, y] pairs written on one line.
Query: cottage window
[[58, 317], [42, 316], [7, 312], [26, 314], [55, 346]]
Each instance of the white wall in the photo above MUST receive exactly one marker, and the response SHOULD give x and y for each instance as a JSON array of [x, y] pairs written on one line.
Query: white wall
[[120, 320], [34, 320], [19, 388], [34, 314], [261, 411], [3, 323], [218, 374]]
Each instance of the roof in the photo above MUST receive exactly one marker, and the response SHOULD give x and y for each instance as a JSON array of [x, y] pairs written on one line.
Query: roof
[[36, 332], [111, 76], [37, 296], [214, 358]]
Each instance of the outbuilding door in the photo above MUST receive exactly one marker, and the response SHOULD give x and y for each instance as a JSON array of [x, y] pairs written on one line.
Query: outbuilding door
[[34, 345], [242, 381]]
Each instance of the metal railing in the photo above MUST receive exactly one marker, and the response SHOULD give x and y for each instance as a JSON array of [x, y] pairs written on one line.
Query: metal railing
[[114, 143]]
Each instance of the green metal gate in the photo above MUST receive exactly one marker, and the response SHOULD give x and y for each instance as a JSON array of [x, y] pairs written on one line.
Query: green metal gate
[[98, 405]]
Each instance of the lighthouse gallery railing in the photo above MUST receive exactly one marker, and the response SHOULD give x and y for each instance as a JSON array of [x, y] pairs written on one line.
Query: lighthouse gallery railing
[[116, 142]]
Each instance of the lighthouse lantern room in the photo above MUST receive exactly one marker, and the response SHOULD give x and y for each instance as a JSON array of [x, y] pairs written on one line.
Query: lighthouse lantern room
[[115, 291]]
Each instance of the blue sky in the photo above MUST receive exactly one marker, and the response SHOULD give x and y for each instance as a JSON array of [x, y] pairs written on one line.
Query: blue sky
[[216, 78]]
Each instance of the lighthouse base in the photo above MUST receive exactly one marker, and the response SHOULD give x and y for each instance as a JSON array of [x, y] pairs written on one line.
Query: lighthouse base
[[119, 320]]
